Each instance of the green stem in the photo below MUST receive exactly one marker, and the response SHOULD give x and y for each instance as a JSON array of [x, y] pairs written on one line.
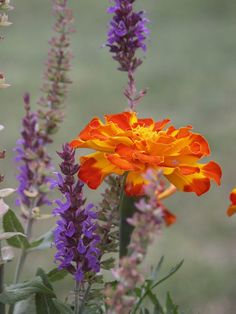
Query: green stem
[[2, 306], [22, 258], [126, 209], [82, 305], [77, 289], [23, 255]]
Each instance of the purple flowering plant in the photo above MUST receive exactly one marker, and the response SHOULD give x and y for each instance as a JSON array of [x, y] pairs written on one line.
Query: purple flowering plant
[[87, 238]]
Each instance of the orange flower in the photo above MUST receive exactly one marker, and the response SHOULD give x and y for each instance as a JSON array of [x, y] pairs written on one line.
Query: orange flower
[[232, 208], [125, 143]]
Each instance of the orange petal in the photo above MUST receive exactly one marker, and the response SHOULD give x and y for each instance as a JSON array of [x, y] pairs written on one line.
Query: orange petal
[[232, 208], [144, 123], [134, 184], [94, 168], [123, 120], [119, 162], [198, 181], [169, 218], [161, 124], [233, 196]]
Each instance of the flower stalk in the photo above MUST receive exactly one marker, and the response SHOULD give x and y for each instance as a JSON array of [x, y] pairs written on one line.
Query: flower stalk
[[127, 34], [2, 306], [126, 210], [56, 79]]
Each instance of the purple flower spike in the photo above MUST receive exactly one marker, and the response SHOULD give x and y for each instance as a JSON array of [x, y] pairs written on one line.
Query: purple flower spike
[[75, 237], [127, 34], [34, 162]]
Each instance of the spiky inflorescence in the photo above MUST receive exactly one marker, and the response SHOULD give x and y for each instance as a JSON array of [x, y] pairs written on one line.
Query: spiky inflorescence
[[108, 216], [56, 78], [127, 33], [76, 237], [34, 163], [147, 222]]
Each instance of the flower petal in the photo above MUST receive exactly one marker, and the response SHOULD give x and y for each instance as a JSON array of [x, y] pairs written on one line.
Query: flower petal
[[232, 208], [134, 184], [195, 179], [94, 168]]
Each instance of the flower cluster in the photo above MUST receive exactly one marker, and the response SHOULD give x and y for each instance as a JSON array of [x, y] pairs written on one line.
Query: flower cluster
[[127, 33], [147, 222], [108, 216], [76, 238], [56, 73], [125, 143], [35, 164], [232, 208]]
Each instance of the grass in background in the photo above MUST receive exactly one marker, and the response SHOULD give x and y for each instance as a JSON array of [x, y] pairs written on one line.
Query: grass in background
[[190, 71]]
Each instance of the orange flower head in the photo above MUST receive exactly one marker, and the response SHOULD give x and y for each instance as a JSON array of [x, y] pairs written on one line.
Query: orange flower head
[[124, 143], [232, 207]]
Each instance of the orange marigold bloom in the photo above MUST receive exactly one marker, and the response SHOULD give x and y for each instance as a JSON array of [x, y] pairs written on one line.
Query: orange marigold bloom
[[232, 208], [125, 143]]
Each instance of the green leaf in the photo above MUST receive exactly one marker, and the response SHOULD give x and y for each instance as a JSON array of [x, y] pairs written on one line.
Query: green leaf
[[41, 273], [171, 308], [157, 306], [44, 304], [8, 235], [42, 243], [55, 274], [23, 291], [12, 224], [155, 273], [25, 306], [108, 263], [62, 307], [149, 286], [171, 272]]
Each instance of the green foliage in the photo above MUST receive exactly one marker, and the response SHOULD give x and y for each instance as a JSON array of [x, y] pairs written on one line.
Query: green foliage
[[36, 296], [170, 307], [147, 289], [42, 243], [55, 274], [12, 224], [22, 291], [62, 307]]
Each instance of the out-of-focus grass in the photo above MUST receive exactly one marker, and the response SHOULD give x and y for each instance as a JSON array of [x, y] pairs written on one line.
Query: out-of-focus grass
[[190, 71]]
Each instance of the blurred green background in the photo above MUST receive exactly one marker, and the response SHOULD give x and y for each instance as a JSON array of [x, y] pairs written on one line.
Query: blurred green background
[[190, 70]]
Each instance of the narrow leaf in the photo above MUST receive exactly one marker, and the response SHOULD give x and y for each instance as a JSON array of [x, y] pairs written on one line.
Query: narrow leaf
[[171, 308], [172, 272]]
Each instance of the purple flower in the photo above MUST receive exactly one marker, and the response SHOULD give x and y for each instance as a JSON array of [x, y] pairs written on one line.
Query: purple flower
[[75, 236], [127, 34], [34, 163]]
